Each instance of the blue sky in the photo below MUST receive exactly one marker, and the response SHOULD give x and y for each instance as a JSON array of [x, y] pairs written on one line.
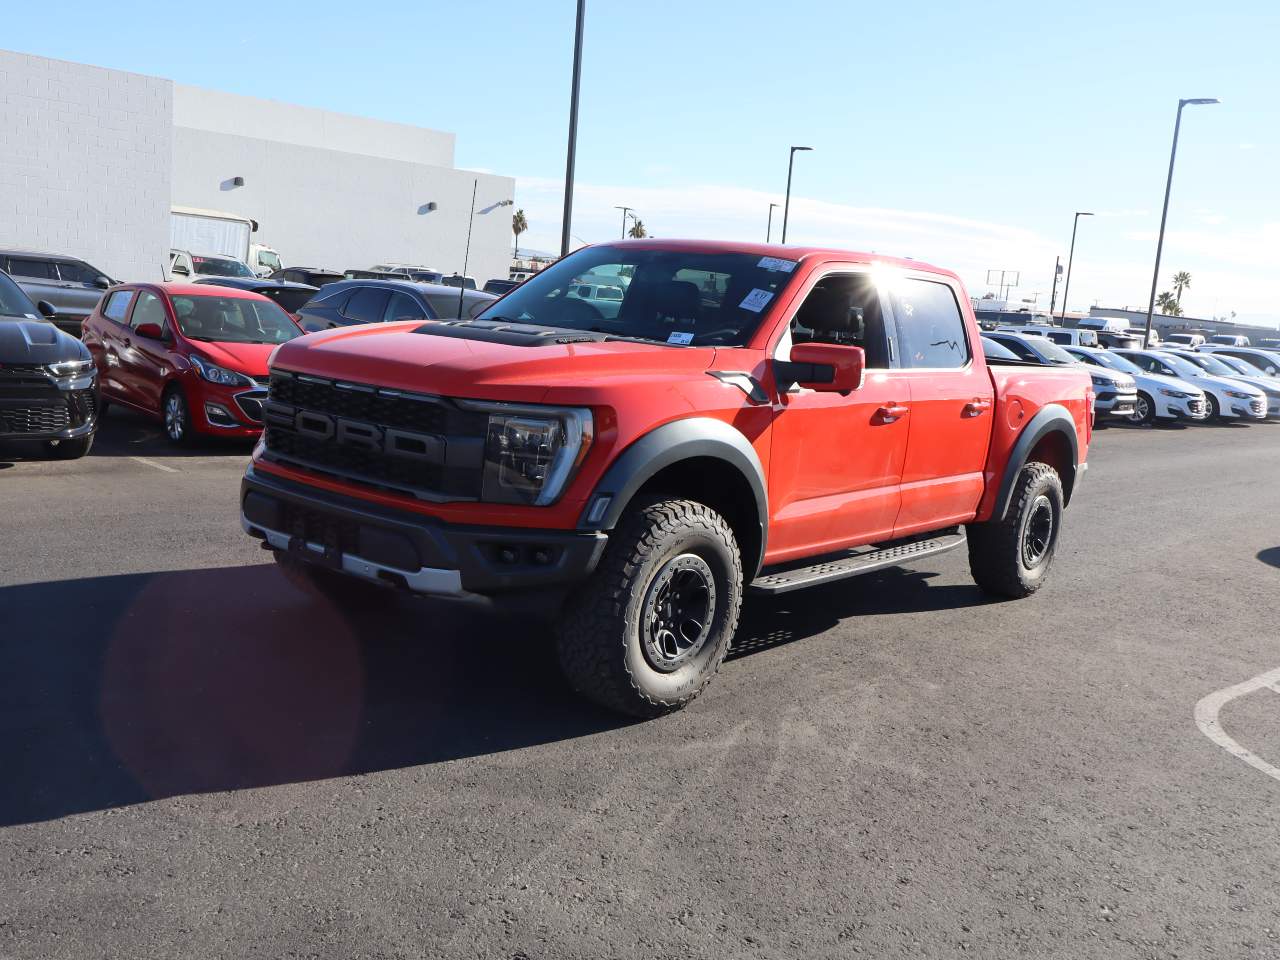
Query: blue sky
[[965, 134]]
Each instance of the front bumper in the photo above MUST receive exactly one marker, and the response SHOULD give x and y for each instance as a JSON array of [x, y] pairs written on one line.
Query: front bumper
[[36, 406], [1188, 408], [226, 411], [1249, 409], [1111, 404], [419, 553]]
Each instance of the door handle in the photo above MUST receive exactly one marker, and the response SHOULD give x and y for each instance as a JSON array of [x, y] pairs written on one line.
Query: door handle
[[128, 342], [977, 407], [891, 412]]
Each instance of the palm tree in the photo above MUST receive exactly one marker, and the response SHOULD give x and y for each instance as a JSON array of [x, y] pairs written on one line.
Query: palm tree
[[1168, 305], [519, 224], [637, 230], [1181, 280]]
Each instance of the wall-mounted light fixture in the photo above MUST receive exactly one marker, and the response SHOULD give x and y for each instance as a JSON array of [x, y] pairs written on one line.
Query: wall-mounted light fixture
[[428, 207], [237, 181]]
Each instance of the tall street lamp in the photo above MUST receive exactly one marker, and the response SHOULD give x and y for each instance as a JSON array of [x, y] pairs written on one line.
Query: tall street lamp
[[1164, 214], [1066, 287], [573, 129], [625, 211], [786, 209], [768, 233]]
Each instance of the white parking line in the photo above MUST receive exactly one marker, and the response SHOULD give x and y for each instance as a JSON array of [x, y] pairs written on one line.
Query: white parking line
[[152, 463], [1207, 719]]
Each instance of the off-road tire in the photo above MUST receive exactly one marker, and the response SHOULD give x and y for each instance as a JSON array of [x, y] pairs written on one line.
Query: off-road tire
[[601, 633], [341, 589], [997, 548], [68, 449]]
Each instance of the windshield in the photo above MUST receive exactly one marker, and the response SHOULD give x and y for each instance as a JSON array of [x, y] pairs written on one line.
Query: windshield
[[1180, 364], [679, 297], [269, 259], [13, 302], [1212, 364], [1239, 366], [1050, 351], [233, 320], [1115, 362], [220, 267]]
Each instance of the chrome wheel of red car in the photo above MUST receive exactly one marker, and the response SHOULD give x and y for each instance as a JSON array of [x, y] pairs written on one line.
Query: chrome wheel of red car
[[176, 421]]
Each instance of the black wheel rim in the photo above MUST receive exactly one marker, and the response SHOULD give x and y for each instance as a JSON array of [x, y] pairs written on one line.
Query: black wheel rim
[[678, 609], [1037, 532]]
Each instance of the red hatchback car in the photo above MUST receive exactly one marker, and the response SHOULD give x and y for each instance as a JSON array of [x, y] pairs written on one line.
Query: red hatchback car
[[195, 356]]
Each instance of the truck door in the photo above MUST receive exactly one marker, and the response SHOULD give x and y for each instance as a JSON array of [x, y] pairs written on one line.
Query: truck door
[[836, 462], [952, 405]]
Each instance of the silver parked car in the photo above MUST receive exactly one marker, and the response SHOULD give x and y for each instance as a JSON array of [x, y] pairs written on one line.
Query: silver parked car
[[71, 285]]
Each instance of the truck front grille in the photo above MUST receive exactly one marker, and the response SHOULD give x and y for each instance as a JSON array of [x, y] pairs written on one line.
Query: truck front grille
[[423, 445]]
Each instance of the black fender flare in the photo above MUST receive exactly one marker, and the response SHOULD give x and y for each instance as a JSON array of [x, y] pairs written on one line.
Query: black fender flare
[[1052, 418], [669, 444]]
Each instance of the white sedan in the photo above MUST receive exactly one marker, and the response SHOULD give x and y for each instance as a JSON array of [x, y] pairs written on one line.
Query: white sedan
[[1226, 398], [1159, 397], [1221, 365]]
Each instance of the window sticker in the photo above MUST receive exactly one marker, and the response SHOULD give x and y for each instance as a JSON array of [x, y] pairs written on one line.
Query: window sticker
[[776, 264], [756, 300], [683, 337]]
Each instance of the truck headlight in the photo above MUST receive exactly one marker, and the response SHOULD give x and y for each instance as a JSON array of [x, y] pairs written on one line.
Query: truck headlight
[[70, 368], [531, 452], [220, 375], [1176, 394]]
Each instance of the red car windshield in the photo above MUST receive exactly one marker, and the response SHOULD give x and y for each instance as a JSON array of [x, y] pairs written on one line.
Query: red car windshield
[[233, 320]]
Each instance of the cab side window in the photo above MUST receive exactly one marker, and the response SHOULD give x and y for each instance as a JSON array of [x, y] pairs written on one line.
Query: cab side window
[[367, 305], [931, 331], [842, 309]]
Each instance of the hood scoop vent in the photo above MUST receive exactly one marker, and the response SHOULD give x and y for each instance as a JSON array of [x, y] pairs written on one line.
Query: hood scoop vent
[[507, 332]]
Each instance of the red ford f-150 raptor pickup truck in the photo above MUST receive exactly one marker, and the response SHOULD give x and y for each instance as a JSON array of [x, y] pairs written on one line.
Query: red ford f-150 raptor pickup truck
[[746, 417]]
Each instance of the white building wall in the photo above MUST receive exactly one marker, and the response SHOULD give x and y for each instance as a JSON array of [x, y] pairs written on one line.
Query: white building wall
[[335, 209], [243, 116], [85, 163]]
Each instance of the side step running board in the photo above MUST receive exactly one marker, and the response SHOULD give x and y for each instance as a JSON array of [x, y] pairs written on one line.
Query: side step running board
[[852, 566]]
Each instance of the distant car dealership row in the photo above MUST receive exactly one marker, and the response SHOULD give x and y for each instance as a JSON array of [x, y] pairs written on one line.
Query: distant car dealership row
[[325, 189]]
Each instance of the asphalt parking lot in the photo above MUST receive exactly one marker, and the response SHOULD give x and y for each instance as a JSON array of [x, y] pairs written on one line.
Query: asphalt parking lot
[[197, 760]]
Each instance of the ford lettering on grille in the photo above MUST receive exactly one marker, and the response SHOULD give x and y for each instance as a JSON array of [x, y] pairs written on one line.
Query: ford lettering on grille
[[369, 436]]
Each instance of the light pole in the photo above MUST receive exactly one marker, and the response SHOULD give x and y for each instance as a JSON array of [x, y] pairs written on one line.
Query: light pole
[[625, 211], [1164, 214], [573, 129], [1057, 272], [786, 209], [768, 233], [1066, 287]]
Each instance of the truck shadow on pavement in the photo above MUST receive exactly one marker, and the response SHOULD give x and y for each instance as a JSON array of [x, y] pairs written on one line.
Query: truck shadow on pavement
[[122, 689]]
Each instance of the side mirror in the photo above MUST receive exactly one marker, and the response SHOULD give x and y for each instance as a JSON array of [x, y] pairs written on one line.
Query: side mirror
[[826, 367], [46, 308], [151, 331], [102, 282], [180, 269]]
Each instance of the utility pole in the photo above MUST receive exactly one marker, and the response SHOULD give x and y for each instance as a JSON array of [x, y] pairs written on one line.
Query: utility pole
[[768, 233], [1057, 272], [625, 211], [573, 130]]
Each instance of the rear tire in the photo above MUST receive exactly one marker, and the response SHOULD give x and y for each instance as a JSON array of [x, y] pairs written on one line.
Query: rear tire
[[648, 630], [1144, 410], [1012, 557], [68, 449]]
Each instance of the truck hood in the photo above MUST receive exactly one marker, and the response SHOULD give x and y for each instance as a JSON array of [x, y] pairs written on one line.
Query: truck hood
[[37, 341], [407, 356], [247, 358]]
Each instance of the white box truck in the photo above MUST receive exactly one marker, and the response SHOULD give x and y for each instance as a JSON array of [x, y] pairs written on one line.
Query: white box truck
[[209, 237]]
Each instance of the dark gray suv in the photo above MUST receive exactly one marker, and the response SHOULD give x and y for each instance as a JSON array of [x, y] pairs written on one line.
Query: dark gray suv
[[380, 301], [72, 286]]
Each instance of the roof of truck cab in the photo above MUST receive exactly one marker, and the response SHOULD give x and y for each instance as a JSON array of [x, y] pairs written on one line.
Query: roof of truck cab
[[781, 252]]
